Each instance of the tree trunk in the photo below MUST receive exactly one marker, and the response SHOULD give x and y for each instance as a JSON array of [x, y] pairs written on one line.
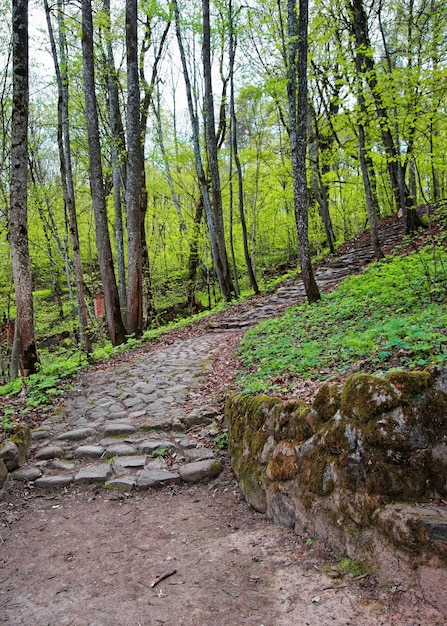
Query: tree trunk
[[222, 266], [21, 267], [360, 29], [318, 186], [133, 188], [235, 150], [118, 149], [117, 331], [218, 262], [297, 101], [65, 163], [148, 88]]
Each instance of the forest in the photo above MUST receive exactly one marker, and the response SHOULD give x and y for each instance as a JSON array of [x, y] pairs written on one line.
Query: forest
[[159, 158]]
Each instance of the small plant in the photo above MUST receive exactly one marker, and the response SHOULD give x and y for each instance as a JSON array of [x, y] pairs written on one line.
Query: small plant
[[160, 452], [6, 422], [221, 441], [347, 566], [309, 542]]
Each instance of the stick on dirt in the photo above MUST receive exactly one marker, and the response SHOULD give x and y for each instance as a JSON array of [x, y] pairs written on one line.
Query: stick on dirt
[[162, 577]]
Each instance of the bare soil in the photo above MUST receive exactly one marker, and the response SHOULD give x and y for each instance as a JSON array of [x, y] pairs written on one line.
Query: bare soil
[[90, 557]]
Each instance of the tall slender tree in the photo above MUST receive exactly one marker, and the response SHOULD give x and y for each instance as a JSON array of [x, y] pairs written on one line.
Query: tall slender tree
[[297, 29], [223, 273], [235, 149], [117, 153], [65, 161], [220, 259], [133, 186], [117, 331], [24, 338]]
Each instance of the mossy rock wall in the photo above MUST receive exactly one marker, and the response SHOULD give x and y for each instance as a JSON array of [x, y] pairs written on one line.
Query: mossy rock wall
[[352, 467]]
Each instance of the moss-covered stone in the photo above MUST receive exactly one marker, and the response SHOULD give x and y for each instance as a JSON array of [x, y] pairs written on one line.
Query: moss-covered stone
[[409, 384], [283, 464], [22, 438], [365, 396], [326, 403], [287, 421]]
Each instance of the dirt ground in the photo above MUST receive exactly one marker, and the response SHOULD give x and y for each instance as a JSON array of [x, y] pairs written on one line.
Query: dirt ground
[[90, 557]]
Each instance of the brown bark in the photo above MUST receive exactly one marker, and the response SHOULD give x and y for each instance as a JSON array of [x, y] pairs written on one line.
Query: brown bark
[[134, 158], [297, 100], [24, 339], [117, 331]]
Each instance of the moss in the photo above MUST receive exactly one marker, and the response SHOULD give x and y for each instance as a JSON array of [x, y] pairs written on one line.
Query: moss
[[326, 403], [287, 421], [365, 396], [283, 465], [398, 481], [22, 438], [315, 473], [409, 384]]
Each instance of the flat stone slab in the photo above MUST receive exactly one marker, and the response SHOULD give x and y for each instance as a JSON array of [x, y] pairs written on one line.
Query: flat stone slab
[[26, 474], [50, 452], [125, 483], [118, 428], [120, 449], [40, 434], [195, 472], [130, 461], [93, 474], [198, 454], [63, 465], [156, 478], [151, 445], [54, 481], [89, 452], [156, 423], [76, 435]]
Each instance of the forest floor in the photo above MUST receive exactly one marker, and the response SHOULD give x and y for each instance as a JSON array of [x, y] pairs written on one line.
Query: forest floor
[[185, 553]]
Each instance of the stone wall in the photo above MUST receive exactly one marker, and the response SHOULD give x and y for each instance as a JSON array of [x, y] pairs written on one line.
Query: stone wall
[[364, 469]]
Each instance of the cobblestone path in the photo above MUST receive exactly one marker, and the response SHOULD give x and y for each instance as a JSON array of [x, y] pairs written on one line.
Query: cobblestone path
[[127, 428]]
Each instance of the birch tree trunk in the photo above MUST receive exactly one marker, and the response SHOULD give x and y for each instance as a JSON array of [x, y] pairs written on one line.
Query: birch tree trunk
[[24, 339]]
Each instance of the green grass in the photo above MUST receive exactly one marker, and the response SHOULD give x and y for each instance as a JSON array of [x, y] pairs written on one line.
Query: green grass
[[394, 314]]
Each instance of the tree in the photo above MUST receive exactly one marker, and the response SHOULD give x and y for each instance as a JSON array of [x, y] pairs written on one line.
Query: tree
[[366, 66], [24, 339], [217, 225], [297, 101], [235, 150], [133, 182], [213, 219], [115, 324], [118, 148], [65, 160]]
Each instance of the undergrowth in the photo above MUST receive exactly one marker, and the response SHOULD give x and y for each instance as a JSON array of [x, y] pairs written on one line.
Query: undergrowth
[[392, 315]]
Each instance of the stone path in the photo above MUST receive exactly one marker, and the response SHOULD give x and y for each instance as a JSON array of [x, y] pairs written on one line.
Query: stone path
[[128, 428]]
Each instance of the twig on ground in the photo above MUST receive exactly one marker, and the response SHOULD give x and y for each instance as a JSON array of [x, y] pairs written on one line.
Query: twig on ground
[[162, 577]]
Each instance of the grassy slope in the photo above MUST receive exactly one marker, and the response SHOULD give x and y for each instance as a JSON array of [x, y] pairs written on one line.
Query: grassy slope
[[392, 315]]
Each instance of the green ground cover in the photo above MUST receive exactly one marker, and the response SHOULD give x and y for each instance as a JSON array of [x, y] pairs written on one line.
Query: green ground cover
[[392, 315]]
